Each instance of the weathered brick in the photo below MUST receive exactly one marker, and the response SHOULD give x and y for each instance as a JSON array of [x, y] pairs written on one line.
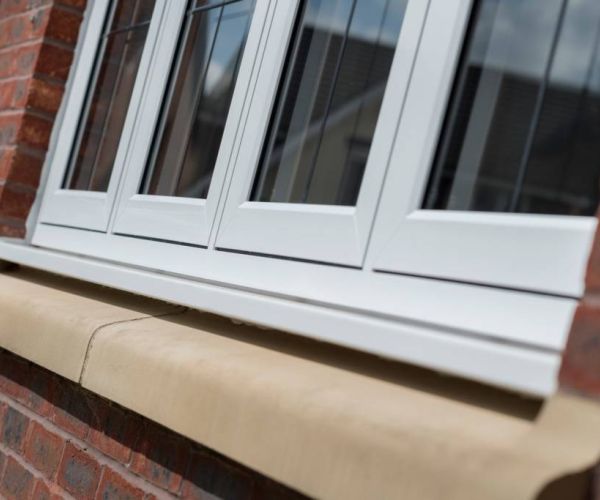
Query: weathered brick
[[20, 166], [13, 376], [114, 486], [19, 60], [14, 429], [34, 131], [15, 200], [25, 27], [209, 474], [11, 7], [79, 472], [54, 61], [2, 462], [63, 25], [12, 229], [17, 482], [77, 4], [161, 458], [44, 96], [114, 432], [9, 127], [72, 412], [44, 450]]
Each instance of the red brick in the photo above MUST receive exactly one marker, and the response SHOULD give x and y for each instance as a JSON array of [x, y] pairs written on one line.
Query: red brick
[[11, 7], [12, 229], [161, 458], [63, 25], [114, 486], [13, 374], [34, 131], [44, 96], [44, 450], [24, 27], [14, 429], [17, 482], [13, 94], [78, 4], [19, 61], [72, 411], [580, 370], [54, 61], [114, 432], [19, 166], [79, 472], [9, 127], [45, 491], [40, 396], [209, 474], [2, 462], [15, 201]]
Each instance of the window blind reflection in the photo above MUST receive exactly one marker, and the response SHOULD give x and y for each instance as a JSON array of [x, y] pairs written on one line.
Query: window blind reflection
[[329, 101], [522, 133], [201, 90], [106, 107]]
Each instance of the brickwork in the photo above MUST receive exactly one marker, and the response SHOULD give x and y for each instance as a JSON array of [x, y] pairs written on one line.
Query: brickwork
[[580, 371], [59, 440], [37, 39]]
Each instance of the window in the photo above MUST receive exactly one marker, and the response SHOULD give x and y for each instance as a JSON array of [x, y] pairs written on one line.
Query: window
[[513, 174], [410, 177], [523, 129], [200, 98], [328, 115], [324, 121], [109, 80], [118, 61]]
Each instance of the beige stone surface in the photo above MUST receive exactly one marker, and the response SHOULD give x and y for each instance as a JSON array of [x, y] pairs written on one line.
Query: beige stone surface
[[329, 422], [335, 427], [50, 320]]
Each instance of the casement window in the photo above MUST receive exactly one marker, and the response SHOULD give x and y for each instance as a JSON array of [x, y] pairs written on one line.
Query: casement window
[[415, 178]]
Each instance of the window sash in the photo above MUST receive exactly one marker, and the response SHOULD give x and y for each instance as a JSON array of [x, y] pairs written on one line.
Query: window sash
[[91, 210], [539, 253], [321, 233], [183, 220]]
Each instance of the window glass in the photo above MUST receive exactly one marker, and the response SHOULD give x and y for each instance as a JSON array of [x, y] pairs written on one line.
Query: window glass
[[200, 96], [522, 132], [329, 101], [108, 97]]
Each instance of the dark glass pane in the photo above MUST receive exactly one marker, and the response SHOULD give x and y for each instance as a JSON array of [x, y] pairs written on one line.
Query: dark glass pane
[[201, 92], [329, 101], [108, 99], [522, 132]]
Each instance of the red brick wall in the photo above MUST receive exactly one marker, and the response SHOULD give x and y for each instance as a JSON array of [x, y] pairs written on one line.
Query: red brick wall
[[580, 371], [37, 38], [57, 438]]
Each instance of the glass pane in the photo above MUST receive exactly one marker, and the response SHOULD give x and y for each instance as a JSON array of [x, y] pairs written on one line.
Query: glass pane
[[108, 98], [200, 96], [522, 133], [329, 101]]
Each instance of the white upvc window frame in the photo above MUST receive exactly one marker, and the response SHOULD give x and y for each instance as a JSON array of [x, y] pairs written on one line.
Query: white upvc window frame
[[170, 218], [320, 233], [91, 210], [544, 253], [508, 333]]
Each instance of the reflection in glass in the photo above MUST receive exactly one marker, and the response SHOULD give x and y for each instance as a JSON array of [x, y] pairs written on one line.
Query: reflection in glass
[[522, 132], [108, 98], [200, 96], [329, 101]]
